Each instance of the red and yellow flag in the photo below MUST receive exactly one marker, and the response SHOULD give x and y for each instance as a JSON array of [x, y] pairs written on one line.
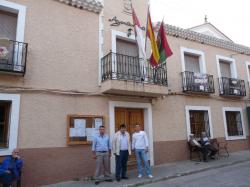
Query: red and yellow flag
[[154, 59]]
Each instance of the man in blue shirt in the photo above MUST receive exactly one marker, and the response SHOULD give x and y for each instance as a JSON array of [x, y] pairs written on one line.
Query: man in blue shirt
[[10, 170], [101, 152]]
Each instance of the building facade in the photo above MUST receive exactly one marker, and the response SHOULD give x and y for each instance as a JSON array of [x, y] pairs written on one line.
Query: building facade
[[66, 60]]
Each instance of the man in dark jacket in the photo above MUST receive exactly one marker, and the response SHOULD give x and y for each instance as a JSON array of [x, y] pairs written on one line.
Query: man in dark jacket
[[10, 170]]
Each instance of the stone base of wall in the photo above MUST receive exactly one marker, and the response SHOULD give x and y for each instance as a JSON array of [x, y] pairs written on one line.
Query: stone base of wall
[[52, 165], [171, 151]]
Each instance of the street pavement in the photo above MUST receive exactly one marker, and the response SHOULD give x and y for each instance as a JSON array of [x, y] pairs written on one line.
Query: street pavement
[[178, 171], [231, 176]]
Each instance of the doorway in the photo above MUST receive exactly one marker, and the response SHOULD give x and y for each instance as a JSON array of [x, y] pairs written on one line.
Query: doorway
[[130, 117], [147, 121]]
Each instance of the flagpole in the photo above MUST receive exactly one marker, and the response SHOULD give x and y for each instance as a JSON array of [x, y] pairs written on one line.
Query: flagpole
[[146, 28]]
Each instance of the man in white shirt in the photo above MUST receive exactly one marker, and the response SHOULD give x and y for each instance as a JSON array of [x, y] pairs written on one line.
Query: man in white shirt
[[140, 146], [121, 148]]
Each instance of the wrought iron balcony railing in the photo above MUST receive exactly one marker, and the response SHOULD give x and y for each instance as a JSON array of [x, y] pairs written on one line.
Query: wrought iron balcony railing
[[13, 55], [197, 82], [122, 67], [232, 87]]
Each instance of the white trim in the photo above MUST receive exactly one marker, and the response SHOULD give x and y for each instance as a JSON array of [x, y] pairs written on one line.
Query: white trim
[[14, 121], [148, 124], [232, 65], [101, 40], [20, 10], [234, 109], [200, 108], [201, 54], [248, 73]]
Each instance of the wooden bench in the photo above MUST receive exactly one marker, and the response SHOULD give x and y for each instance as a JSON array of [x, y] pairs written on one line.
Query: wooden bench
[[193, 149], [18, 182]]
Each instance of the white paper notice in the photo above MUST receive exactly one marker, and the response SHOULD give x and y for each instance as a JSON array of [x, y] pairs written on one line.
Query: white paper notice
[[98, 123], [80, 132], [72, 132], [89, 134], [80, 123]]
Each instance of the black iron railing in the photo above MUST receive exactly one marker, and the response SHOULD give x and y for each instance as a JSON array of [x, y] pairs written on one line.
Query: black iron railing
[[123, 67], [13, 55], [232, 87], [197, 82]]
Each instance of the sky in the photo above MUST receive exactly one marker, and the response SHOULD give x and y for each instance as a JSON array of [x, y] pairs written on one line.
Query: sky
[[231, 17]]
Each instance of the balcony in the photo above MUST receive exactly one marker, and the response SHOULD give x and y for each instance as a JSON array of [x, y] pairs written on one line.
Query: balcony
[[13, 55], [127, 75], [232, 87], [197, 82]]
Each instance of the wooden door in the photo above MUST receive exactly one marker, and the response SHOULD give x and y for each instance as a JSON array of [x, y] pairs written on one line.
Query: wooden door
[[129, 117]]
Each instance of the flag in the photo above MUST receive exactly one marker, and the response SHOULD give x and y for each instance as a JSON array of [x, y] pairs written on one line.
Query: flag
[[162, 43], [139, 36], [154, 59]]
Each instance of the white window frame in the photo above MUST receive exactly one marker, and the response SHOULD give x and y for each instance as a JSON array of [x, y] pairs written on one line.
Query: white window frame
[[233, 109], [198, 108], [13, 122], [232, 63], [201, 54], [248, 73], [20, 10]]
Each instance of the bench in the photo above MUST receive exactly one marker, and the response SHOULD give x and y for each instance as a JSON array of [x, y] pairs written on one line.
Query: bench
[[18, 182], [220, 146], [193, 149]]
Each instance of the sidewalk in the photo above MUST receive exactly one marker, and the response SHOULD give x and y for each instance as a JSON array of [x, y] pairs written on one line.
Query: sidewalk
[[165, 172]]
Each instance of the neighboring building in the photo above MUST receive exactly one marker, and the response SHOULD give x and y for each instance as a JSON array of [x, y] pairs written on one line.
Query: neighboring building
[[62, 66]]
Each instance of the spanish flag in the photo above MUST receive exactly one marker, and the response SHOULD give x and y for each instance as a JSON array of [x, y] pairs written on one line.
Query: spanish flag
[[155, 57]]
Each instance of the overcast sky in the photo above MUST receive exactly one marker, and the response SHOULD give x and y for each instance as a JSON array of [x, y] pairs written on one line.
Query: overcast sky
[[231, 17]]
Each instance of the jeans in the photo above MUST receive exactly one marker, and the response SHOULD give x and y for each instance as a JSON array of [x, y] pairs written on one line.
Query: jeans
[[141, 155], [6, 179], [121, 164]]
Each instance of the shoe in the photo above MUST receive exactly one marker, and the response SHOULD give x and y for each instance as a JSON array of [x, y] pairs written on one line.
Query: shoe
[[150, 176], [139, 176], [97, 182], [118, 179], [125, 178]]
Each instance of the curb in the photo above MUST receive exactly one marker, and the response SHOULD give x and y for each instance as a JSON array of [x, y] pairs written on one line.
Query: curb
[[184, 174]]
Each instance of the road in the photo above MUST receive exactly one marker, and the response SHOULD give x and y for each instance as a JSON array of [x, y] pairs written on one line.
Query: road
[[231, 176]]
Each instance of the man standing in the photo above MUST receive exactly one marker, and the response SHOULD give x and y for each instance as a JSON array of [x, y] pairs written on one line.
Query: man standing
[[101, 152], [140, 145], [121, 148], [10, 170]]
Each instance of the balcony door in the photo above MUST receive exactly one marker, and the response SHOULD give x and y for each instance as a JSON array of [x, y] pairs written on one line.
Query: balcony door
[[128, 65], [129, 117], [192, 63]]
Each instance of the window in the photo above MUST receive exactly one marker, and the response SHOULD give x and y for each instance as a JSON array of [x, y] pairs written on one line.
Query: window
[[126, 48], [233, 122], [9, 114], [198, 120], [226, 67], [8, 25], [248, 72], [193, 60], [4, 123], [192, 63]]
